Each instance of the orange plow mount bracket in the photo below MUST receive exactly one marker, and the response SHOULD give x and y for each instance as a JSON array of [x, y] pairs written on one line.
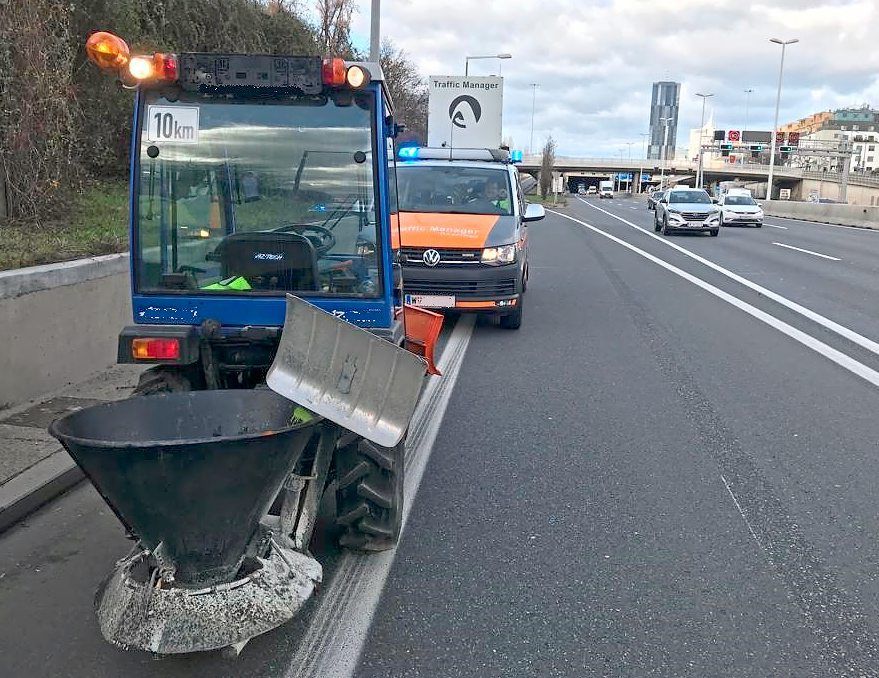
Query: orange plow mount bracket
[[422, 330]]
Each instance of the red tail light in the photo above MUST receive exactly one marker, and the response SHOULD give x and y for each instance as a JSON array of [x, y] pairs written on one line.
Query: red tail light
[[333, 72], [166, 66], [155, 349]]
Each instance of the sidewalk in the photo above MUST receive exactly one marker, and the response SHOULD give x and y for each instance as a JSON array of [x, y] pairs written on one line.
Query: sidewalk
[[33, 466]]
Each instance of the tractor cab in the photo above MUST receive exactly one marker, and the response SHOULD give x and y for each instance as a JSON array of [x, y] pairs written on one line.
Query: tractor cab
[[253, 177]]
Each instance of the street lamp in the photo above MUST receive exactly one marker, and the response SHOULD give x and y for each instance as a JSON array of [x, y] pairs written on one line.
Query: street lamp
[[747, 106], [663, 151], [701, 138], [486, 56], [644, 136], [534, 87], [783, 43]]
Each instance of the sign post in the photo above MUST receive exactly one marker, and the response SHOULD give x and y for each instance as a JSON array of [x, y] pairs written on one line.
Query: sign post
[[465, 112]]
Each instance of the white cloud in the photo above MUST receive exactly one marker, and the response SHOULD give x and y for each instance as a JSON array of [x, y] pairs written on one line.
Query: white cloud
[[595, 61]]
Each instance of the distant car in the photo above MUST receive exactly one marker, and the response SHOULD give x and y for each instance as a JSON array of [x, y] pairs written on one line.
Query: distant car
[[739, 210], [653, 198], [686, 209], [581, 189], [592, 191], [605, 189]]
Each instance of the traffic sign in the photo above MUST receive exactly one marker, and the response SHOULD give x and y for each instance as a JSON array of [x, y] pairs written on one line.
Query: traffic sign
[[734, 135], [793, 138]]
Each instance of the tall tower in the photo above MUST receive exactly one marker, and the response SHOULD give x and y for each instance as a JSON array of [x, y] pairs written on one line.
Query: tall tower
[[666, 96]]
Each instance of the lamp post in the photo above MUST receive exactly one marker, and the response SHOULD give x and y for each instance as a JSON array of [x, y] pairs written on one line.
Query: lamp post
[[534, 87], [701, 138], [783, 43], [663, 151], [486, 56], [374, 31], [644, 136]]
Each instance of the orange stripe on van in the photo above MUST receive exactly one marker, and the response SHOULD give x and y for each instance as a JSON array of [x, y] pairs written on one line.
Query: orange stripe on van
[[452, 231]]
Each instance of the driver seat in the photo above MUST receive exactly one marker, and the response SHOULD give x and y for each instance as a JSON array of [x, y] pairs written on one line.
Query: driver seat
[[270, 261]]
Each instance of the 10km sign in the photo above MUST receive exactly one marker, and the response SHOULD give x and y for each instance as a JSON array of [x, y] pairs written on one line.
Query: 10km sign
[[178, 124]]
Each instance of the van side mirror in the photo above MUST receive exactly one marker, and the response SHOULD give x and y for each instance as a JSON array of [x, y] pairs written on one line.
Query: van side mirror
[[534, 212]]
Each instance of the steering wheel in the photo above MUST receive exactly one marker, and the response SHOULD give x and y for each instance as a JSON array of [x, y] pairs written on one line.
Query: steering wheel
[[322, 238]]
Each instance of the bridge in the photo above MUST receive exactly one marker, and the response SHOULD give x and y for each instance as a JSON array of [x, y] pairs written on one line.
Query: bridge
[[861, 189]]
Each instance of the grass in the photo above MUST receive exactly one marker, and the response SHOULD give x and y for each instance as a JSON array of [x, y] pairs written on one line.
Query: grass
[[551, 199], [97, 223]]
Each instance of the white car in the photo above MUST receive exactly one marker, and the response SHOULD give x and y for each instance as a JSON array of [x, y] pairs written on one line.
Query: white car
[[738, 209]]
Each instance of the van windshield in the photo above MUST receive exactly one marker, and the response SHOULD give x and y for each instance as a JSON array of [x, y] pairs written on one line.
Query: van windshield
[[451, 189]]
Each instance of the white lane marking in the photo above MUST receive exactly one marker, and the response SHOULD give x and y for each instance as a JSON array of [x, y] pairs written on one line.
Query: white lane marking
[[332, 644], [800, 249], [783, 228], [827, 323], [840, 358]]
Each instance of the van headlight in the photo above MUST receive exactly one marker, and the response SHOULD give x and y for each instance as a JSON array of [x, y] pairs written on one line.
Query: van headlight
[[505, 254]]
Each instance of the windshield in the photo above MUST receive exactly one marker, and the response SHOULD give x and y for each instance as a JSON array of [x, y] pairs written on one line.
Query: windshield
[[739, 200], [689, 197], [452, 189], [254, 196]]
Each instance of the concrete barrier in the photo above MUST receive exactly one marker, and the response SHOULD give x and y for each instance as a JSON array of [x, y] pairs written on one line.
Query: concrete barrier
[[846, 215], [59, 323]]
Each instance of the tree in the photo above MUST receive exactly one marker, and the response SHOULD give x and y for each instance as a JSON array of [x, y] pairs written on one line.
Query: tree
[[334, 26], [547, 162], [408, 90]]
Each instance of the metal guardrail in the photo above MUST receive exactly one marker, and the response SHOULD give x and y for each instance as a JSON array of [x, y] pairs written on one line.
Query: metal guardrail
[[853, 178]]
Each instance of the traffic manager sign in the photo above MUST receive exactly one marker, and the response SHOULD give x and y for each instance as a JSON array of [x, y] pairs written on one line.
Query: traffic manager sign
[[465, 112]]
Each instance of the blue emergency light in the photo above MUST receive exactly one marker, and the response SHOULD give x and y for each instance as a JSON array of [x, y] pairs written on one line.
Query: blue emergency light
[[408, 153], [516, 156]]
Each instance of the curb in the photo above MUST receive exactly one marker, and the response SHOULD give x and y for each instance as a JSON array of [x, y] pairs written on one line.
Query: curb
[[39, 484]]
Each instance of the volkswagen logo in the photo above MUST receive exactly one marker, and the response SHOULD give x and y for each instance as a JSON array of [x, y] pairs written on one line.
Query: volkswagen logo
[[430, 257]]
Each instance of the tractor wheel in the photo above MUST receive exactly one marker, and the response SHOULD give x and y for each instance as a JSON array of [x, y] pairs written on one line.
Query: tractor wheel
[[369, 495], [164, 379]]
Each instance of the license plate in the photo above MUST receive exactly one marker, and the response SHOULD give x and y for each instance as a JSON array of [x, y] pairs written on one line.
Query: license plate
[[431, 300]]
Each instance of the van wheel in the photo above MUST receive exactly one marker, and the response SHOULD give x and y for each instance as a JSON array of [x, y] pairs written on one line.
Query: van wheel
[[513, 321]]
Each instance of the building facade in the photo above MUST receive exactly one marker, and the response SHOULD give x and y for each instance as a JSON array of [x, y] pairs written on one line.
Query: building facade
[[664, 104], [858, 128]]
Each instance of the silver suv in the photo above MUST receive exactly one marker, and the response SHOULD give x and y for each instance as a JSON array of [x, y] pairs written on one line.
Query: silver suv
[[686, 209]]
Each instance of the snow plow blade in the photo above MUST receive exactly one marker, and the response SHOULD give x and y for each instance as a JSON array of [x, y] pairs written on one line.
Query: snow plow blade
[[352, 377]]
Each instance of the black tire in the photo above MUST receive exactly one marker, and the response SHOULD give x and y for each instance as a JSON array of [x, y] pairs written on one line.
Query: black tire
[[656, 223], [165, 379], [664, 229], [512, 321], [759, 225], [721, 220], [714, 232], [369, 495]]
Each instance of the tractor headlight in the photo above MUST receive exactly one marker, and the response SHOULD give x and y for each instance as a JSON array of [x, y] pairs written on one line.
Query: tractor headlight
[[505, 254]]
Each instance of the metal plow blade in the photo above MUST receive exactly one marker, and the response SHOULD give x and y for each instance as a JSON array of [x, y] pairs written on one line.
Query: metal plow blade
[[346, 374]]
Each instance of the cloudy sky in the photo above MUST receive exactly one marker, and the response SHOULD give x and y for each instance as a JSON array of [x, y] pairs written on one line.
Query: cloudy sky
[[595, 60]]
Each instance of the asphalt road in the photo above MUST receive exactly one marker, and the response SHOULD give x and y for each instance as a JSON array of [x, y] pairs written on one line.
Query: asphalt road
[[665, 472]]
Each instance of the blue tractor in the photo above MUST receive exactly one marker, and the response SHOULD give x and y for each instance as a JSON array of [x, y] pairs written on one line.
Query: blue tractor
[[262, 253], [254, 177]]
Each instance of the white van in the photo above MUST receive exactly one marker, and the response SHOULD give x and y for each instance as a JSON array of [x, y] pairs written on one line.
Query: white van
[[605, 189]]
